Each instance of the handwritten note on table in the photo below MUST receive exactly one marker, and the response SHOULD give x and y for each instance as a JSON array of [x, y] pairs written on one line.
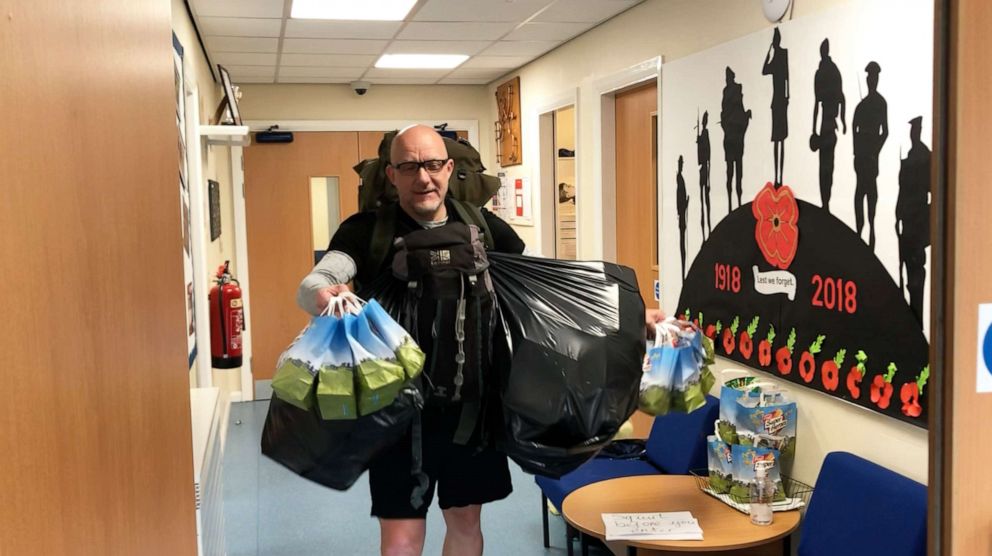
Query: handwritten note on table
[[656, 526]]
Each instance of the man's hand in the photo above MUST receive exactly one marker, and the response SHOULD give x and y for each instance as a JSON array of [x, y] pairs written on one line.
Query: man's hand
[[651, 317], [324, 295]]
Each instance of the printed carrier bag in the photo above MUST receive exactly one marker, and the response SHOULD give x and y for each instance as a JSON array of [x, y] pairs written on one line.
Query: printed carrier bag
[[755, 413], [677, 375], [297, 366], [395, 338], [379, 377], [336, 377], [745, 458], [720, 461]]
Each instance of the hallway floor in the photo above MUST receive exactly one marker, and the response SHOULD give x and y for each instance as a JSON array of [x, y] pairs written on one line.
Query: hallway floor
[[270, 511]]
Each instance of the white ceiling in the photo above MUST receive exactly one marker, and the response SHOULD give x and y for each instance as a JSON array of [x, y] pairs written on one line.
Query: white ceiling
[[257, 42]]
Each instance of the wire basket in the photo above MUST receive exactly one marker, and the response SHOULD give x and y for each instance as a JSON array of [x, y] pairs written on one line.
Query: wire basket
[[797, 493]]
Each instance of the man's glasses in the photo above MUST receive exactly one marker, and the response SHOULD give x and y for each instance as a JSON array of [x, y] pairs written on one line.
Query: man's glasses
[[412, 168]]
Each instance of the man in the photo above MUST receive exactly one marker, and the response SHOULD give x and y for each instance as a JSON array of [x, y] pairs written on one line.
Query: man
[[703, 158], [913, 216], [777, 66], [829, 102], [734, 120], [871, 129], [682, 206], [464, 476]]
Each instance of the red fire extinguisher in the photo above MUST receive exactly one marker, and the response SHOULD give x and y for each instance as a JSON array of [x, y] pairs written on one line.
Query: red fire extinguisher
[[227, 320]]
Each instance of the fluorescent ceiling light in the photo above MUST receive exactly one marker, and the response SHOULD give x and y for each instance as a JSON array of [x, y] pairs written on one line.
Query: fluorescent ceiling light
[[420, 61], [366, 10]]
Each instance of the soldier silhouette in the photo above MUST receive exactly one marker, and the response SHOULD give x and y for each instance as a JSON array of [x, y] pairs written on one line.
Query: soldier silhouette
[[871, 128], [734, 121], [777, 66], [829, 102], [682, 205], [913, 217], [703, 156]]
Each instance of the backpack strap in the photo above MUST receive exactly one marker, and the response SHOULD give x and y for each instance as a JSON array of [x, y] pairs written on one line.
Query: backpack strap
[[470, 214], [382, 237], [467, 422]]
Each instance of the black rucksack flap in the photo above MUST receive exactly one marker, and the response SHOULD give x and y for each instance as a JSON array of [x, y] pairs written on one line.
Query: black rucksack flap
[[451, 249]]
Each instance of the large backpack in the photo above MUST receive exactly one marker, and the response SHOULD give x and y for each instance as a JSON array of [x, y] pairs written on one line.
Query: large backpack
[[468, 183], [448, 305]]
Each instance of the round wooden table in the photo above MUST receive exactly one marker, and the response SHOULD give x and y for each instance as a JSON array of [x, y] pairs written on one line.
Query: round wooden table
[[724, 528]]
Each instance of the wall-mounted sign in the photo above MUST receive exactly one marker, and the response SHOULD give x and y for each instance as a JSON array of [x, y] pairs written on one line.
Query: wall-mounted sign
[[983, 380]]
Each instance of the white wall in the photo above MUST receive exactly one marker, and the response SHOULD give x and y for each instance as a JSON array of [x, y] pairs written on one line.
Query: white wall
[[673, 29], [216, 166]]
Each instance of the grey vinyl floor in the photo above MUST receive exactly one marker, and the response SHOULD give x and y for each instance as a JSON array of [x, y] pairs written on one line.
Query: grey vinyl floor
[[270, 511]]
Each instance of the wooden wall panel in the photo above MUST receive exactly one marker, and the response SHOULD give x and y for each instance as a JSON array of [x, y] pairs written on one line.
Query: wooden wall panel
[[95, 435], [635, 195], [277, 203], [969, 197]]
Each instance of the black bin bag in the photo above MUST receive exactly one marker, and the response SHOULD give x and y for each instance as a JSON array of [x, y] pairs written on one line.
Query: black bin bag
[[575, 348], [335, 453]]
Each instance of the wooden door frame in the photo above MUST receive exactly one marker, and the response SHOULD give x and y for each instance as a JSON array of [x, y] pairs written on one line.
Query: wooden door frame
[[241, 219], [544, 167], [603, 191]]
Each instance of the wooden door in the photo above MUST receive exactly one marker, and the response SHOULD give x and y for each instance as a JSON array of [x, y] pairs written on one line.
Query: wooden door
[[277, 205], [960, 507], [95, 441], [636, 185]]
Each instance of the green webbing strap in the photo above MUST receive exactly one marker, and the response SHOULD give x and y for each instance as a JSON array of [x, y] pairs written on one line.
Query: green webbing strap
[[470, 214], [382, 238]]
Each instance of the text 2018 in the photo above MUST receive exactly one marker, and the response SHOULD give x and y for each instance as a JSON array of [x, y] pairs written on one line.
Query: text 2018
[[835, 294]]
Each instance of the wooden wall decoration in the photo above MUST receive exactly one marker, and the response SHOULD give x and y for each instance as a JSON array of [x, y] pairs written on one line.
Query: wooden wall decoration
[[509, 151]]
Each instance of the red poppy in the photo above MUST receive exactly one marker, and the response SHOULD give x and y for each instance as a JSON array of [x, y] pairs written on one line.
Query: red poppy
[[776, 231]]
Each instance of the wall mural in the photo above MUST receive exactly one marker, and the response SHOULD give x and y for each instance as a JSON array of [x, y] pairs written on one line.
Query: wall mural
[[814, 268]]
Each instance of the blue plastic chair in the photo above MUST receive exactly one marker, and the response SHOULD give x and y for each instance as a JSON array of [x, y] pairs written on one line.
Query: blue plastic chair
[[861, 508], [675, 445]]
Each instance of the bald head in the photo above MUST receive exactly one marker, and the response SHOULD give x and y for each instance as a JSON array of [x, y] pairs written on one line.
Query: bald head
[[416, 137], [420, 187]]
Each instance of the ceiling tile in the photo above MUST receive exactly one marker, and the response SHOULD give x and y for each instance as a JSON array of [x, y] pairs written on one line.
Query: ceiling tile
[[238, 72], [548, 31], [244, 59], [520, 48], [437, 47], [333, 46], [592, 11], [242, 44], [403, 80], [240, 26], [403, 73], [505, 62], [243, 80], [340, 73], [237, 8], [459, 81], [323, 29], [339, 60], [454, 31], [314, 80], [479, 10]]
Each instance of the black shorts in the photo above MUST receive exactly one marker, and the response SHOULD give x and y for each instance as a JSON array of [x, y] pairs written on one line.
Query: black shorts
[[463, 475]]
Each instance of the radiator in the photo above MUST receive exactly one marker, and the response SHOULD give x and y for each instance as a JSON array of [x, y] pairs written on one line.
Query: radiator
[[209, 408]]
